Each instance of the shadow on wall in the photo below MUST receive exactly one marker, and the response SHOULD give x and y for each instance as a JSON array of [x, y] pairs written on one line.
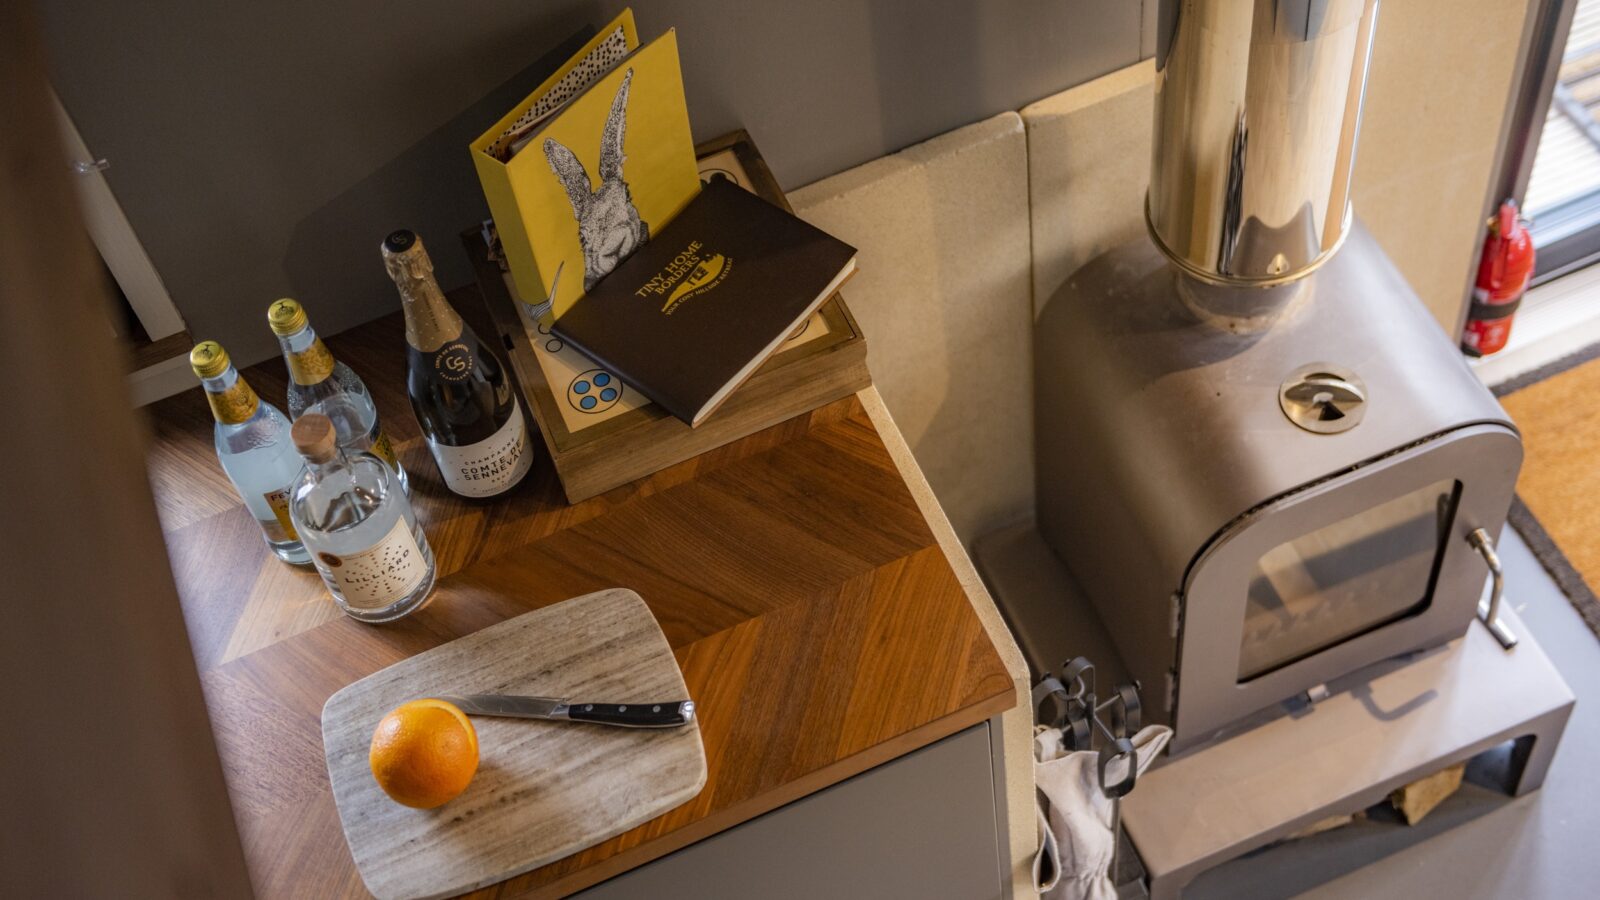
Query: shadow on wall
[[950, 418], [943, 297], [334, 251]]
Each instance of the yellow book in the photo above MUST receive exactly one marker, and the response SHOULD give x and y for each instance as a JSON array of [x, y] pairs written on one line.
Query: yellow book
[[588, 166]]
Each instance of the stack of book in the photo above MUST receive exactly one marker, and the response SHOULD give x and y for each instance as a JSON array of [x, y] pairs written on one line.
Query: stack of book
[[603, 432], [657, 300], [687, 317], [600, 431]]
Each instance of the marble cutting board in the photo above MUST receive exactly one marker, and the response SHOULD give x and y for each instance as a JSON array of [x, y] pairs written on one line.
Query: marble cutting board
[[543, 790]]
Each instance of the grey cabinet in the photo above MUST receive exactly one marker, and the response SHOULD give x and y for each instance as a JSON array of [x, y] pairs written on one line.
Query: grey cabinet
[[921, 826]]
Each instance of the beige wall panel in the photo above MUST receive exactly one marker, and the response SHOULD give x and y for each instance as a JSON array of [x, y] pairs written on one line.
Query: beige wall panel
[[1437, 97], [1435, 244], [1088, 167], [943, 296]]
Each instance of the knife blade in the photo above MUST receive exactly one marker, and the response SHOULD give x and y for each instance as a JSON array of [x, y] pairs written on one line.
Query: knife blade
[[669, 714]]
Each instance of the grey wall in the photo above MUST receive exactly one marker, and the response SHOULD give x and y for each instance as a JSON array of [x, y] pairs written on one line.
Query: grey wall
[[264, 149]]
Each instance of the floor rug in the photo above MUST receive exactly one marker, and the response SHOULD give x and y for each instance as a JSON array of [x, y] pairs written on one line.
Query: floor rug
[[1557, 508]]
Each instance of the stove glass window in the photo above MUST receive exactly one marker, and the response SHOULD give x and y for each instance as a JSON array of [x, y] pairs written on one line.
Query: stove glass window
[[1345, 579]]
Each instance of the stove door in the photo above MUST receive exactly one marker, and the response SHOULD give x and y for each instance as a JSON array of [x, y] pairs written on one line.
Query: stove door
[[1346, 578], [1366, 565]]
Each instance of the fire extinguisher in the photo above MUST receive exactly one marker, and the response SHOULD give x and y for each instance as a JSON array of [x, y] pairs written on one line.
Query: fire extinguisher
[[1503, 274]]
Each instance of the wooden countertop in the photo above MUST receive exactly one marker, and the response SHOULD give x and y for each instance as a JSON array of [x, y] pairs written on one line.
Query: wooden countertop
[[819, 625]]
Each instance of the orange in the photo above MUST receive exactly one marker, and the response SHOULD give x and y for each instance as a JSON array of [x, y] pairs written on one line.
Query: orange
[[424, 753]]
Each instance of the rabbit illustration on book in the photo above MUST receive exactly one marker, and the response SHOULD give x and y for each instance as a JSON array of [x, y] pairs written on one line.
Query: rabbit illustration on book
[[609, 227]]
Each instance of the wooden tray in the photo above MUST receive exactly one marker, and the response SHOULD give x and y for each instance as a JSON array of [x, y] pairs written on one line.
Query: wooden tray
[[605, 454], [544, 790]]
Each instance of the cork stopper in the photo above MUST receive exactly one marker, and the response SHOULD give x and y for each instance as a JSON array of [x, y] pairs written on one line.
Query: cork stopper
[[314, 436], [405, 257], [208, 359], [286, 316], [400, 240]]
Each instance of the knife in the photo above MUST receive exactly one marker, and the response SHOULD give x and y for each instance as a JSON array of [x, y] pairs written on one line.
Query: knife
[[628, 715]]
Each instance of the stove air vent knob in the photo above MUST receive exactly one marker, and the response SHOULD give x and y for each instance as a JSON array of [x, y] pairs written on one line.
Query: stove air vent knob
[[1323, 398]]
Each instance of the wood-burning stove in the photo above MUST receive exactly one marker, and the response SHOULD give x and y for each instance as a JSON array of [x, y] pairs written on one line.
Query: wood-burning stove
[[1264, 462], [1236, 557]]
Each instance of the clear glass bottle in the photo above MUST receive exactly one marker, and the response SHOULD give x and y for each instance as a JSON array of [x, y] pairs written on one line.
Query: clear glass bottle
[[358, 525], [321, 383], [253, 445]]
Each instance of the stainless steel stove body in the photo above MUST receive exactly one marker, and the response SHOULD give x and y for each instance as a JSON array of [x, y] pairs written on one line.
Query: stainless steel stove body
[[1237, 558], [1257, 452]]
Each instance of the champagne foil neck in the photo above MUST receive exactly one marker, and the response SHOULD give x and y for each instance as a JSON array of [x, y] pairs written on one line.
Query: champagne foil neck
[[431, 322]]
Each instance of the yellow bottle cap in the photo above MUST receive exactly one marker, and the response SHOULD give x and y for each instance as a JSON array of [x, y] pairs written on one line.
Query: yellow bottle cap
[[286, 316], [208, 359]]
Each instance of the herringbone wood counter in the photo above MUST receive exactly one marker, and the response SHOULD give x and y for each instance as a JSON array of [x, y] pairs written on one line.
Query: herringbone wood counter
[[819, 626]]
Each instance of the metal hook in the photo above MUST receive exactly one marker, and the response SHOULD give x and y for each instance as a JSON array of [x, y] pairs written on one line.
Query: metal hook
[[1490, 612], [1049, 689], [1069, 702], [1079, 673], [1074, 708], [1125, 711], [1075, 730], [1120, 749]]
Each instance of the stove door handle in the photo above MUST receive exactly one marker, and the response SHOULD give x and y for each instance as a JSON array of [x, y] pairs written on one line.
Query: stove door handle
[[1490, 612]]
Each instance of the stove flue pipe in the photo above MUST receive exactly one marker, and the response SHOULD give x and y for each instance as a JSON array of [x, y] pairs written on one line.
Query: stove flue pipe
[[1257, 107]]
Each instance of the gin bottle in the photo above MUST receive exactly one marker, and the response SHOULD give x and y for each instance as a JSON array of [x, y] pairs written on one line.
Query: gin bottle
[[320, 383], [253, 445], [358, 525]]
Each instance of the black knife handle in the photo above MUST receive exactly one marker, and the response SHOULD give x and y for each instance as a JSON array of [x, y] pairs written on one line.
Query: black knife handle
[[634, 715]]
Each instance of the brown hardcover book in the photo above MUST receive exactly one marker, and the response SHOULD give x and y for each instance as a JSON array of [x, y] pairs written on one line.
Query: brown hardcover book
[[690, 315], [625, 437]]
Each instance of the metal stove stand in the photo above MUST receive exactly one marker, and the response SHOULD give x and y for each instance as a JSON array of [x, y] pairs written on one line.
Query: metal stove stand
[[1213, 821]]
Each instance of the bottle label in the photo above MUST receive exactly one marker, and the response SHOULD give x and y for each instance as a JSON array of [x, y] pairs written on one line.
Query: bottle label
[[381, 574], [234, 405], [312, 365], [279, 501], [490, 466], [384, 450]]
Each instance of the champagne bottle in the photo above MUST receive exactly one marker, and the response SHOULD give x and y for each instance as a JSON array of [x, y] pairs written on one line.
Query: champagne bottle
[[458, 387], [358, 525], [320, 383], [252, 441]]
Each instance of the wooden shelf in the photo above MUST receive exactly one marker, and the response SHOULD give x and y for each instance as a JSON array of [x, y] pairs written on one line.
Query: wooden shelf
[[147, 353]]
